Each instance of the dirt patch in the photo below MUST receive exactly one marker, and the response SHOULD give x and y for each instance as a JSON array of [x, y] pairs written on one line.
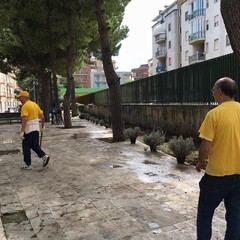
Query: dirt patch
[[108, 140], [73, 127], [149, 162], [14, 217], [80, 135], [12, 151]]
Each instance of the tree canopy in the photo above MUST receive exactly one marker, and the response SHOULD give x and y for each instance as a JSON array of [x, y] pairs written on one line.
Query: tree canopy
[[39, 37]]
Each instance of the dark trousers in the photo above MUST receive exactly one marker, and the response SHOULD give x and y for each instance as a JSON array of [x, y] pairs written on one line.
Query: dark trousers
[[31, 141], [212, 191]]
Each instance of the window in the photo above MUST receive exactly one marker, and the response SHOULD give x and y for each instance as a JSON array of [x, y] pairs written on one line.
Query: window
[[227, 40], [207, 3], [169, 44], [186, 56], [169, 27], [207, 25], [216, 20], [180, 49], [186, 16], [186, 36], [215, 1], [207, 47], [170, 61], [216, 44]]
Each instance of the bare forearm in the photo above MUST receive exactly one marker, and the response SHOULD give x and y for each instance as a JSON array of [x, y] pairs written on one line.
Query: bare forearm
[[42, 120], [24, 124], [203, 153]]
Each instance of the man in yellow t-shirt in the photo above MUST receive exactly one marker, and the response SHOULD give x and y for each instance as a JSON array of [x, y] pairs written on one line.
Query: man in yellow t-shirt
[[219, 152], [31, 113]]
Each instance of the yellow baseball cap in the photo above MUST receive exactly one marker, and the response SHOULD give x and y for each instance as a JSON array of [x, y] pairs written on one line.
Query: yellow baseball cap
[[23, 94]]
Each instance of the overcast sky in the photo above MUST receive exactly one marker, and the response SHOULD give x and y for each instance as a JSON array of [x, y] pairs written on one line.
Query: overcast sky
[[137, 47]]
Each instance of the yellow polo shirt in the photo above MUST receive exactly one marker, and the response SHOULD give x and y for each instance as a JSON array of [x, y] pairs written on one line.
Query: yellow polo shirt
[[30, 110], [221, 126]]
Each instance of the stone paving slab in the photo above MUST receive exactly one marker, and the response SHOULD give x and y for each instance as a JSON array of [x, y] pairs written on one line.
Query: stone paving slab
[[94, 190]]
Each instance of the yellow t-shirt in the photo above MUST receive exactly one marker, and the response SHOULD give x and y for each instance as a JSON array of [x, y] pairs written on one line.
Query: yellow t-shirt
[[30, 110], [222, 126]]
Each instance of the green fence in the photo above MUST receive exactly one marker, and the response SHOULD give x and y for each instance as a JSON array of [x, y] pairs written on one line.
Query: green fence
[[186, 85]]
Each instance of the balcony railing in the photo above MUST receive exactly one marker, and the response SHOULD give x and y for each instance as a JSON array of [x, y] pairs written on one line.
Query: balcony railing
[[161, 68], [162, 52], [197, 13], [160, 37], [196, 36], [198, 57]]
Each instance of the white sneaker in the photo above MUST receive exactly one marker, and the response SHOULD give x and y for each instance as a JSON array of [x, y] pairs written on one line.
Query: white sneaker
[[45, 159], [26, 167]]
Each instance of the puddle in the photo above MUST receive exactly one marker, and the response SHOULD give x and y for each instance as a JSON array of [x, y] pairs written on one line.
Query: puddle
[[155, 167], [107, 165]]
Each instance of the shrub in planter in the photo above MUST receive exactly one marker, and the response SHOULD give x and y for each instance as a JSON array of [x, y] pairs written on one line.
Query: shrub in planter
[[80, 107], [154, 139], [181, 147], [82, 116], [132, 134], [101, 122]]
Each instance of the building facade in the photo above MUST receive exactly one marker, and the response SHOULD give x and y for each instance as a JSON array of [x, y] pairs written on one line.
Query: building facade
[[200, 34], [141, 72], [8, 102], [83, 76], [92, 75], [98, 79]]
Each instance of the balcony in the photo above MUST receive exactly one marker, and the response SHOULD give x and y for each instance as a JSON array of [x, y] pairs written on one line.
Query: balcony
[[198, 57], [160, 37], [197, 13], [161, 68], [197, 37], [161, 53]]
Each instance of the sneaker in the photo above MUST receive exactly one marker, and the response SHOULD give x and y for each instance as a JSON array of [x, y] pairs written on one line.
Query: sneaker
[[26, 167], [45, 159]]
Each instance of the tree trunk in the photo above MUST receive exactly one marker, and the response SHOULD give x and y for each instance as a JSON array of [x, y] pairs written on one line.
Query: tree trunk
[[52, 43], [230, 10], [45, 101], [54, 77], [70, 63], [73, 100], [111, 76]]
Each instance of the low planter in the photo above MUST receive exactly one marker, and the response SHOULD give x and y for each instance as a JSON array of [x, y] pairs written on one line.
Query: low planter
[[181, 159], [181, 147], [132, 134], [154, 139]]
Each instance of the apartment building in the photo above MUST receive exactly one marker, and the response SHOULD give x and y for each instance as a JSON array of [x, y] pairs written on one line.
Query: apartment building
[[8, 102], [165, 39], [200, 33]]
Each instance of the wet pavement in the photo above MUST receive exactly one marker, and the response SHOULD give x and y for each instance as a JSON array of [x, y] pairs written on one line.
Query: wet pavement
[[94, 190]]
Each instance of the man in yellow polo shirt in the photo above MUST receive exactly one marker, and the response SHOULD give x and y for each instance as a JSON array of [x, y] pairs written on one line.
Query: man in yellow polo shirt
[[220, 153], [31, 113]]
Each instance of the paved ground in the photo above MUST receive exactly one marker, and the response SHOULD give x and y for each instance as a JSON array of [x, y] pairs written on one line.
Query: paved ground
[[95, 190]]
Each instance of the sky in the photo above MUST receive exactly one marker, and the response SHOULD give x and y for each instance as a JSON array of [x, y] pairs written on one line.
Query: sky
[[137, 47]]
